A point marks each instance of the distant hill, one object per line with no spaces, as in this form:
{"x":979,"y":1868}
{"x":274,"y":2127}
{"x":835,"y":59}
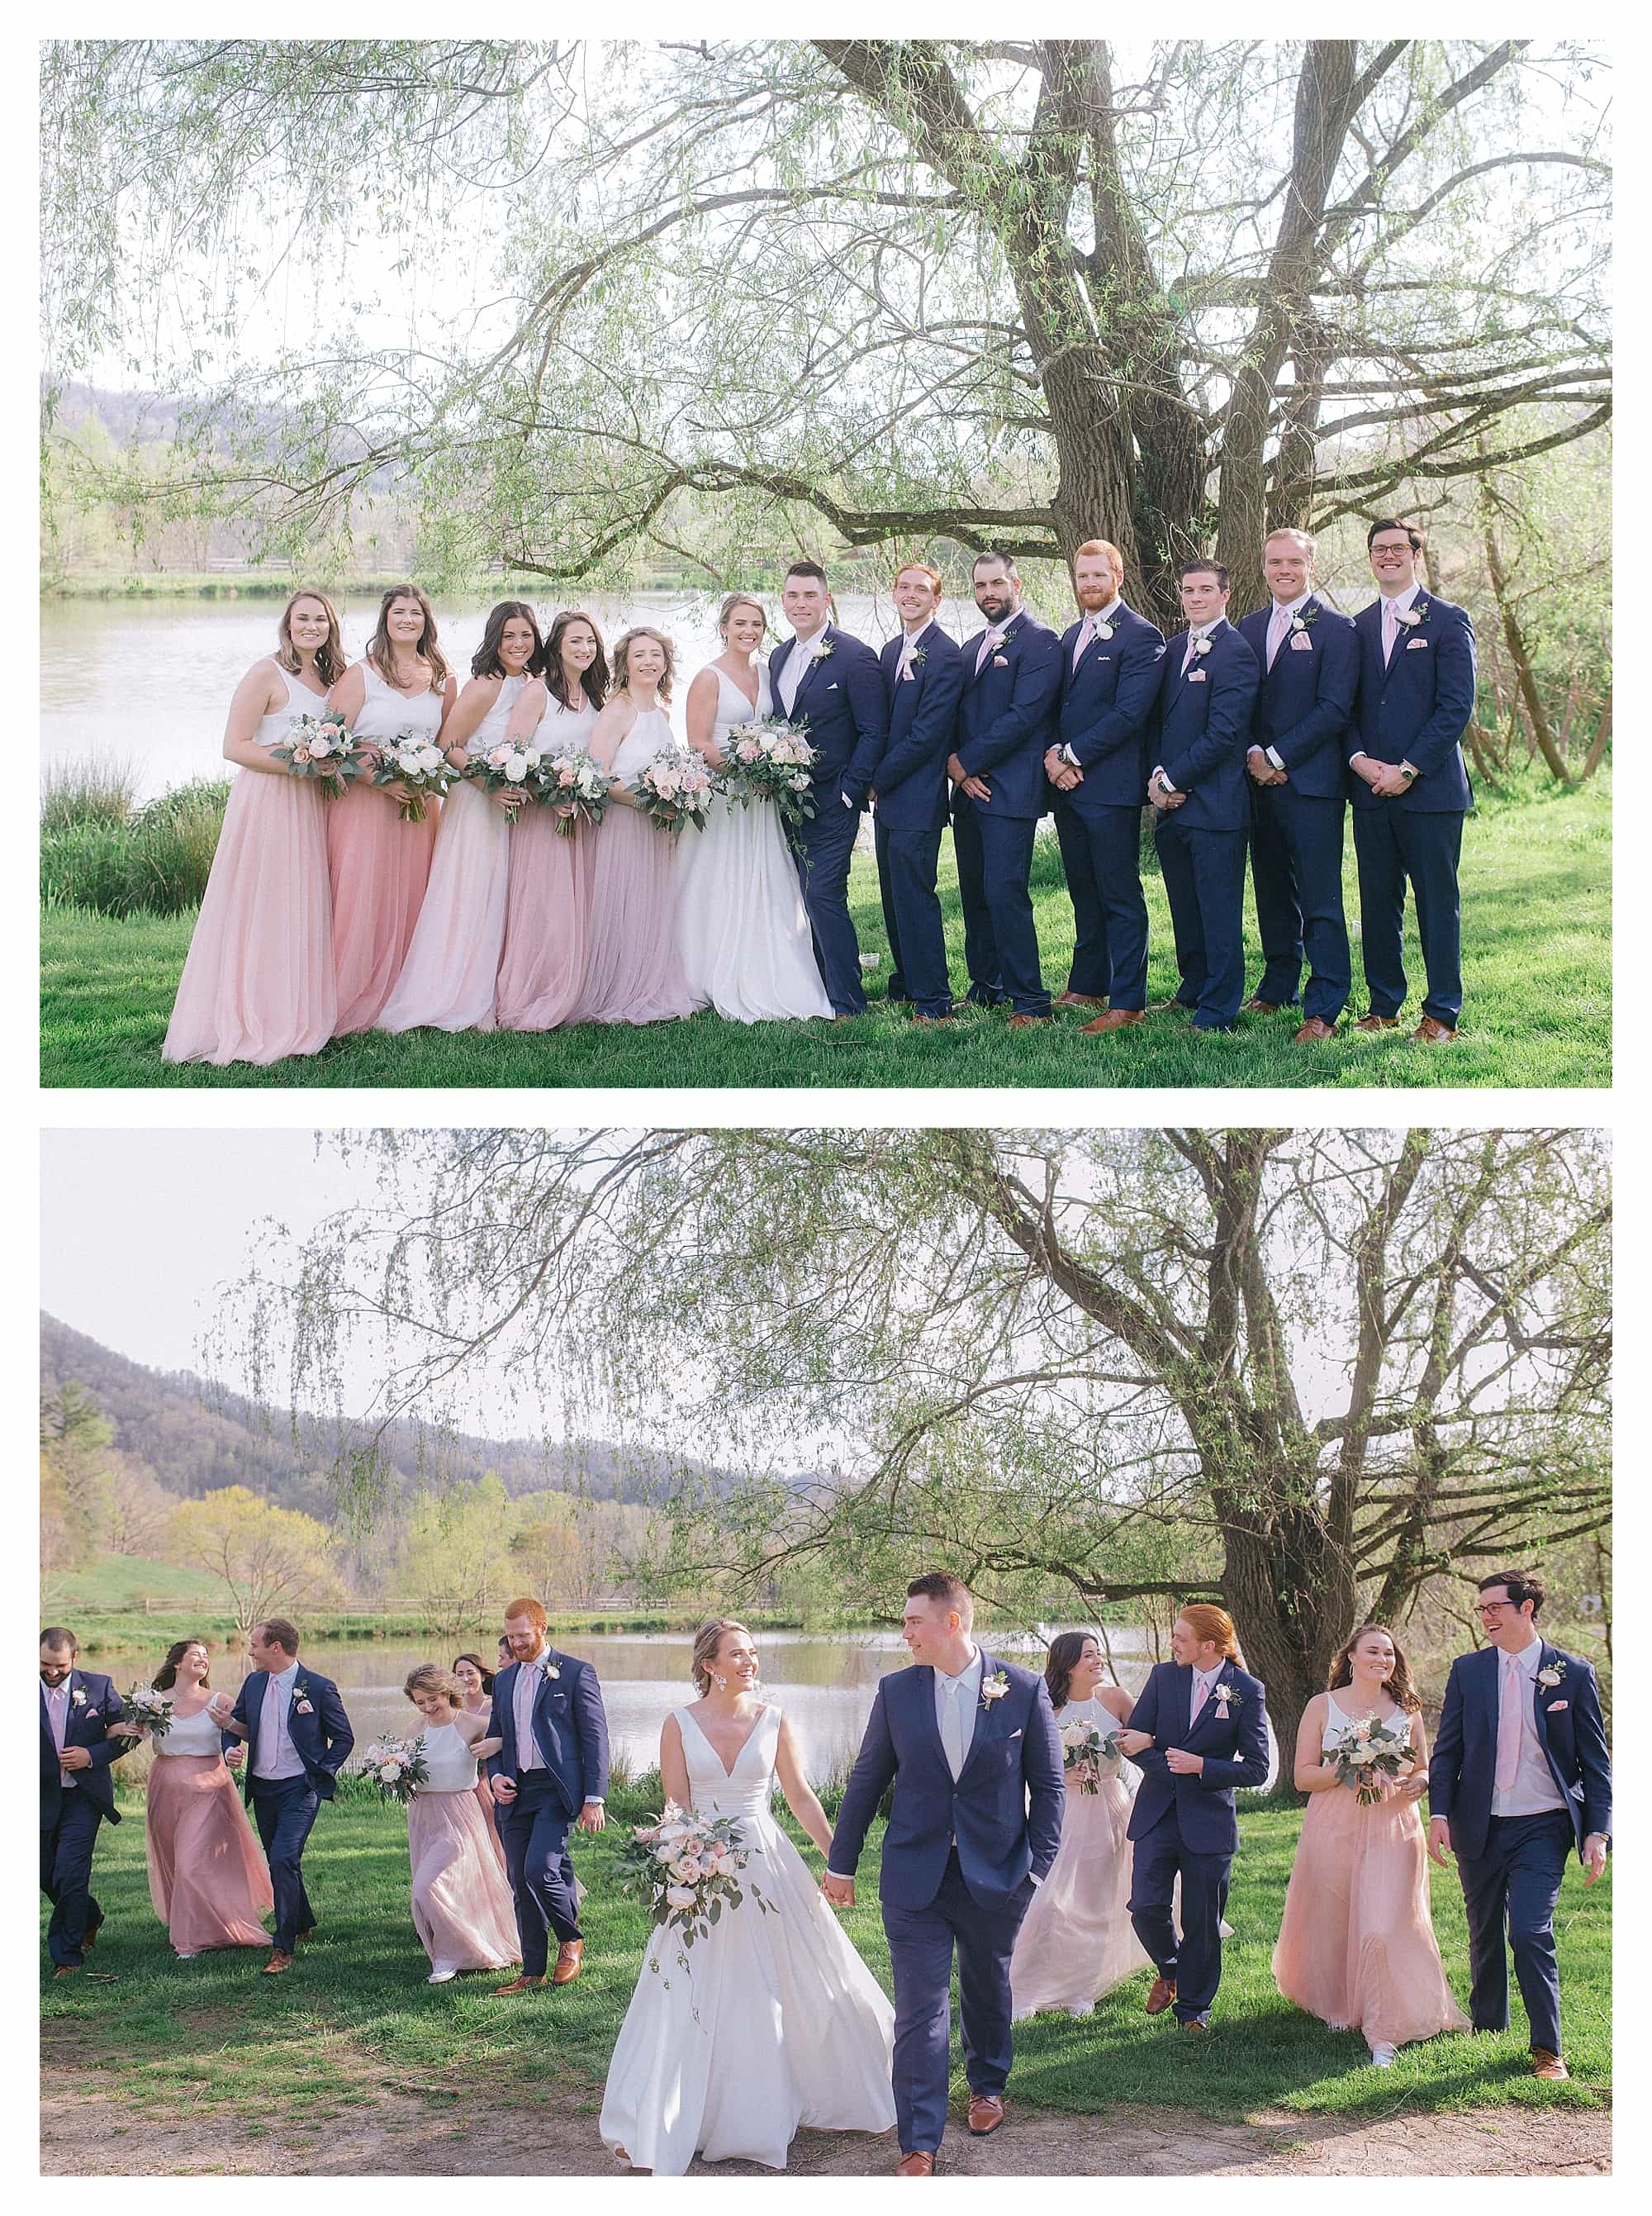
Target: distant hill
{"x":196,"y":1439}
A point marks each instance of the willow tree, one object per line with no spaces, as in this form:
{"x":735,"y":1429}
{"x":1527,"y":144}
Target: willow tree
{"x":1301,"y":1373}
{"x":744,"y":294}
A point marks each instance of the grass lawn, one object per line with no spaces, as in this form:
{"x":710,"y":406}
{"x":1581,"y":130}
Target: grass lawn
{"x":355,"y":2013}
{"x":1537,"y":970}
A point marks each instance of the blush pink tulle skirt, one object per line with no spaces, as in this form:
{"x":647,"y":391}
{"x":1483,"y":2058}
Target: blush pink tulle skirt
{"x":1356,"y":1947}
{"x":207,"y":1877}
{"x":635,"y":972}
{"x":1076,"y":1940}
{"x":380,"y":867}
{"x":462,"y":1906}
{"x":547,"y":923}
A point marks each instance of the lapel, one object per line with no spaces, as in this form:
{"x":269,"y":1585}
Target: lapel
{"x":1541,"y":1694}
{"x":823,"y":638}
{"x":1212,"y":1708}
{"x":1261,"y":642}
{"x":973,"y":647}
{"x":1489,"y":1688}
{"x":928,"y":1726}
{"x":985,"y":1715}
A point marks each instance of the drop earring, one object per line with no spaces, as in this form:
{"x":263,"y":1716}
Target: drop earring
{"x":722,"y":1684}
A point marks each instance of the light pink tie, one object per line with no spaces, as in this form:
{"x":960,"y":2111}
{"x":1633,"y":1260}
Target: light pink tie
{"x":1509,"y":1725}
{"x":1201,"y":1694}
{"x":57,"y":1707}
{"x":1276,"y":632}
{"x":1391,"y":631}
{"x":1085,"y":635}
{"x":989,"y":642}
{"x":273,"y":1727}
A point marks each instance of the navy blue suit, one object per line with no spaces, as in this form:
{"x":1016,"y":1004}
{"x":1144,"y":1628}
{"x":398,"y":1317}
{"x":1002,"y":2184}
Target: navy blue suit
{"x":70,"y":1815}
{"x":1511,"y":1865}
{"x":840,"y":699}
{"x":1304,"y":706}
{"x":1201,"y":732}
{"x":1006,"y":722}
{"x":1416,"y":709}
{"x":1186,"y":1826}
{"x":913,"y":790}
{"x":1107,"y":708}
{"x":570,"y":1732}
{"x":960,"y":1858}
{"x":285,"y":1808}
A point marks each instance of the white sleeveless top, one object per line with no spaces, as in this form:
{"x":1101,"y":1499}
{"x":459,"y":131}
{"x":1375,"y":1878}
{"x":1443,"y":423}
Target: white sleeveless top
{"x":490,"y":731}
{"x":452,"y":1765}
{"x":277,"y":725}
{"x":1092,"y":1712}
{"x":649,"y":736}
{"x":385,"y":711}
{"x":1338,"y":1719}
{"x":192,"y":1735}
{"x":569,"y":728}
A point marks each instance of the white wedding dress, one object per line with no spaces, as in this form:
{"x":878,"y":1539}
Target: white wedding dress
{"x":775,"y":2023}
{"x":741,"y":926}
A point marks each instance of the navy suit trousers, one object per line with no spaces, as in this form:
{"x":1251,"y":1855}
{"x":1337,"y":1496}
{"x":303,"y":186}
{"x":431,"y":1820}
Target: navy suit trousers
{"x":826,"y":844}
{"x":285,"y":1810}
{"x":1204,"y":880}
{"x":1512,"y":1889}
{"x":1391,"y":845}
{"x":1101,"y":854}
{"x":533,"y":1832}
{"x":995,"y":868}
{"x":921,"y":1943}
{"x":911,"y":915}
{"x":1195,"y":1964}
{"x":1296,"y":867}
{"x":67,"y":1878}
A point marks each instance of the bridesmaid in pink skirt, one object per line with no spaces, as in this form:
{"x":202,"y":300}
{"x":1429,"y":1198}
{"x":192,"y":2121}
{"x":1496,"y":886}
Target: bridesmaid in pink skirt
{"x":257,"y":982}
{"x":1357,"y":1945}
{"x":207,"y":1875}
{"x":462,"y":1906}
{"x":634,"y":972}
{"x":475,"y":1683}
{"x":548,"y":899}
{"x":379,"y":865}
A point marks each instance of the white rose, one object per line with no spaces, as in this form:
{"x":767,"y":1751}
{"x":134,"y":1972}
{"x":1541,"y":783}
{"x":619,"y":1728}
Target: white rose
{"x":321,"y":746}
{"x":390,"y":1771}
{"x":516,"y":765}
{"x":681,"y":1896}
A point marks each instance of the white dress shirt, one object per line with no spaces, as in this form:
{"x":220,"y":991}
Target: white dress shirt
{"x":1535,"y":1789}
{"x":909,"y":646}
{"x":1081,"y":647}
{"x":276,"y":1757}
{"x":803,"y":651}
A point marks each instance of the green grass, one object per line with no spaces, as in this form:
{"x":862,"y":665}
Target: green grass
{"x":355,"y":2013}
{"x":120,"y":1582}
{"x":1536,"y":968}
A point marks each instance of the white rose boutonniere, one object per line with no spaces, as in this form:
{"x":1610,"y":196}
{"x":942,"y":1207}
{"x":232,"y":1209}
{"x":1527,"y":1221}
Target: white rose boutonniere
{"x":1105,"y":630}
{"x":1226,"y":1695}
{"x":1417,"y":614}
{"x":78,"y":1697}
{"x":1553,"y":1674}
{"x":993,"y":1687}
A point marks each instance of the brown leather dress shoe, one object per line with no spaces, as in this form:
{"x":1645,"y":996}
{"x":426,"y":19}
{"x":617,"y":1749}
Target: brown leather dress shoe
{"x":1115,"y":1019}
{"x":929,"y":1023}
{"x":1545,"y":2065}
{"x":1313,"y":1030}
{"x":1368,"y":1026}
{"x":1432,"y":1032}
{"x":1161,"y":1994}
{"x":277,"y":1963}
{"x":1024,"y":1023}
{"x":520,"y":1985}
{"x":1196,"y":2023}
{"x":986,"y":2113}
{"x":1078,"y":1000}
{"x":67,"y":1969}
{"x":1253,"y":1007}
{"x":568,"y":1962}
{"x":915,"y":2166}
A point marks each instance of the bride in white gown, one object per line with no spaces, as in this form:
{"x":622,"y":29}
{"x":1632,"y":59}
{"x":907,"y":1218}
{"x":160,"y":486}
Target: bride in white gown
{"x":776,"y":2023}
{"x":744,"y":936}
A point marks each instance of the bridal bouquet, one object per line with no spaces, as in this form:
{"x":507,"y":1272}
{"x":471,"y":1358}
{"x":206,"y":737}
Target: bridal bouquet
{"x":673,"y":790}
{"x":418,"y":762}
{"x":767,"y":759}
{"x":1370,"y":1756}
{"x":684,"y":1870}
{"x":1084,"y":1747}
{"x":322,"y":747}
{"x":575,"y":787}
{"x":513,"y":766}
{"x":397,"y":1766}
{"x":143,"y":1705}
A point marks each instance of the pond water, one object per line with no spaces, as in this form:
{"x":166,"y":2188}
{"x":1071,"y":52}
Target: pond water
{"x":148,"y":681}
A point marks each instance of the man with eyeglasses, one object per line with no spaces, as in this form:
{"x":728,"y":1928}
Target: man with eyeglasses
{"x":1520,"y":1776}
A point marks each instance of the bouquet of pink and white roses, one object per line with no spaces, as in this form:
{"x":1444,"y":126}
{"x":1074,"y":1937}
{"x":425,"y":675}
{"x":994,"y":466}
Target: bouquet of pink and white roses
{"x":769,"y":759}
{"x":512,"y":765}
{"x":1084,"y":1748}
{"x":396,"y":1766}
{"x":322,"y":746}
{"x":686,"y":1869}
{"x":575,"y":787}
{"x":416,"y":762}
{"x":151,"y":1710}
{"x":675,"y":788}
{"x":1369,"y":1756}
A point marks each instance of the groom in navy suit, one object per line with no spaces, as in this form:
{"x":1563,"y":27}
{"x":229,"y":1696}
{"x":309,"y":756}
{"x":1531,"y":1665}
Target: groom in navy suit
{"x":969,"y":1744}
{"x":1518,"y":1777}
{"x":298,"y":1738}
{"x":551,"y":1770}
{"x":1199,"y":1730}
{"x":822,"y":678}
{"x":81,"y":1732}
{"x":923,"y":677}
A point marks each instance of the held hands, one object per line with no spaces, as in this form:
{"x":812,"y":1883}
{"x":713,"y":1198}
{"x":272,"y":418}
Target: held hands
{"x":593,"y":1817}
{"x":840,"y":1890}
{"x":1183,"y":1764}
{"x":1440,"y":1840}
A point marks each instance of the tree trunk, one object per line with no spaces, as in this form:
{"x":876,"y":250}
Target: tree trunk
{"x":1597,"y":743}
{"x":1514,"y":638}
{"x":1292,"y":1593}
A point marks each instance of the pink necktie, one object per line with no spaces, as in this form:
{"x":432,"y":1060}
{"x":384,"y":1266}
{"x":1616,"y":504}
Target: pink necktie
{"x":1200,"y":1689}
{"x":989,"y":641}
{"x":59,"y":1711}
{"x":1085,"y":635}
{"x":273,"y":1725}
{"x":1390,"y":629}
{"x":1276,"y":632}
{"x":1509,"y":1725}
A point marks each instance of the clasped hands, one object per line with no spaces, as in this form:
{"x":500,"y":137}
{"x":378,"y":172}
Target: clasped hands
{"x":1063,"y":775}
{"x":1262,"y":770}
{"x":840,"y":1890}
{"x":1160,"y":795}
{"x":1386,"y":779}
{"x":976,"y":787}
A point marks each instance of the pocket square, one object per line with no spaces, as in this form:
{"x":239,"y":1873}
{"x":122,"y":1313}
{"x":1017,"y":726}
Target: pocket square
{"x":831,"y":688}
{"x":1412,"y":644}
{"x":1301,"y":644}
{"x":1000,"y":662}
{"x":1196,"y":677}
{"x":1014,"y":1735}
{"x":1553,"y":1705}
{"x":303,"y":1708}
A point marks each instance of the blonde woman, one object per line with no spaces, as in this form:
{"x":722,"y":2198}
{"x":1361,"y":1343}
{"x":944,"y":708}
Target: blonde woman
{"x":462,"y":1907}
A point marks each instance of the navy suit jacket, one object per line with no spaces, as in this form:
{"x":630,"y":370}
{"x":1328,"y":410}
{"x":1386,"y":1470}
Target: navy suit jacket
{"x":87,"y":1724}
{"x":840,"y":699}
{"x":1202,"y":730}
{"x":570,"y":1729}
{"x":1304,"y":703}
{"x":1417,"y":709}
{"x":1462,"y":1768}
{"x":1107,"y":708}
{"x":1006,"y":720}
{"x":1004,"y":1810}
{"x":1235,"y":1748}
{"x":911,"y":784}
{"x":321,"y":1739}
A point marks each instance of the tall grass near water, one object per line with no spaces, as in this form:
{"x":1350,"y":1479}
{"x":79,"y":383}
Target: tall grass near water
{"x":101,"y":853}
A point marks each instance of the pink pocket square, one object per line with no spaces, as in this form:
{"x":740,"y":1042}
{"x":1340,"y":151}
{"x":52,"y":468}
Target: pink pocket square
{"x":1197,"y":677}
{"x":1412,"y":644}
{"x":1553,"y":1705}
{"x":1301,"y":645}
{"x":1000,"y":662}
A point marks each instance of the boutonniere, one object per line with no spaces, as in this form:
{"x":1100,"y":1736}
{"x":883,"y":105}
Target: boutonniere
{"x":301,"y":1700}
{"x":1103,"y":631}
{"x":920,"y":658}
{"x":1302,"y":621}
{"x":1227,"y":1695}
{"x":993,"y":1687}
{"x":78,"y":1697}
{"x":1417,"y":614}
{"x":1553,"y":1674}
{"x":823,"y":651}
{"x":1202,"y":646}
